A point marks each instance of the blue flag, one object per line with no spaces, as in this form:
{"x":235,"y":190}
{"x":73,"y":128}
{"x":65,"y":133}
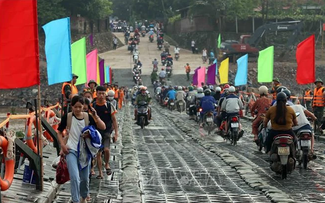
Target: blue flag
{"x":242,"y":68}
{"x":107,"y":76}
{"x":58,"y":51}
{"x":215,"y":62}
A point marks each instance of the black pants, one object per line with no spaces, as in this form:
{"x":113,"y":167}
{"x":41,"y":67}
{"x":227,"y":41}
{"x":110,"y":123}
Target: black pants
{"x":188,"y":76}
{"x":192,"y":110}
{"x":220,"y":118}
{"x":193,"y":50}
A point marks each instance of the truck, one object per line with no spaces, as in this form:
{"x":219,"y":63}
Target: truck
{"x":247,"y":44}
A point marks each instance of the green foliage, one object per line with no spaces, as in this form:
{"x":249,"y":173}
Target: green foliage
{"x":171,"y":20}
{"x":49,"y":10}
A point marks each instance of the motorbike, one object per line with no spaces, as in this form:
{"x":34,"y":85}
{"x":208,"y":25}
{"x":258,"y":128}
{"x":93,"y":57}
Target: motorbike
{"x":208,"y":123}
{"x":233,"y":127}
{"x":163,"y":61}
{"x":159,"y":46}
{"x":155,"y":68}
{"x":198,"y":114}
{"x":177,"y":56}
{"x":282,"y":155}
{"x":151,"y":38}
{"x":165,"y":102}
{"x":135,"y":58}
{"x":140,"y":69}
{"x":180,"y":106}
{"x":143,"y":33}
{"x":136,"y":78}
{"x":134,"y":96}
{"x":303,"y":153}
{"x":171,"y":104}
{"x":131,"y":47}
{"x":168,"y":71}
{"x":142,"y":117}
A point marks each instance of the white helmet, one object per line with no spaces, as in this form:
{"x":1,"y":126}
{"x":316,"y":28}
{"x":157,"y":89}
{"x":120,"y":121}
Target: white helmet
{"x":218,"y":89}
{"x":263,"y":90}
{"x":232,"y":89}
{"x":200,"y":90}
{"x":110,"y":93}
{"x":180,"y":88}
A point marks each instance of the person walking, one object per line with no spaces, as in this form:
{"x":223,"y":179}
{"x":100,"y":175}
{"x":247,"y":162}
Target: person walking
{"x":188,"y":70}
{"x":319,"y":102}
{"x":74,"y":123}
{"x":106,"y":112}
{"x":114,"y":42}
{"x":193,"y":46}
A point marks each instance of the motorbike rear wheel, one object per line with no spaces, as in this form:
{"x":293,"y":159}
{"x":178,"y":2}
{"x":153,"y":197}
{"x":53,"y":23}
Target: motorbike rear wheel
{"x":284,"y":172}
{"x":142,"y":121}
{"x":305,"y":160}
{"x":234,"y":137}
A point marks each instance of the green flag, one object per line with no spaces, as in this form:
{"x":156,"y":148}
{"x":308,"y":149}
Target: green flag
{"x":78,"y":57}
{"x":265,"y":65}
{"x":219,"y":41}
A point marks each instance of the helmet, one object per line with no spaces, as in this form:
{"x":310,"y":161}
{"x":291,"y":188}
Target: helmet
{"x":207,"y":92}
{"x":284,"y":90}
{"x":180,"y":88}
{"x":110,"y":93}
{"x":263,"y":90}
{"x":232,"y":89}
{"x":190,"y":88}
{"x":143,"y":88}
{"x":281,"y":96}
{"x":211,"y":87}
{"x":200,"y":90}
{"x":218,"y":89}
{"x":280,"y":89}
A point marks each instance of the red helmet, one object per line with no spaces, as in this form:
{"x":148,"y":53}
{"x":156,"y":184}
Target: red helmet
{"x":226,"y":86}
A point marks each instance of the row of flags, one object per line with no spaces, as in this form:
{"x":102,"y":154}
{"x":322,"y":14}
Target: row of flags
{"x":305,"y":56}
{"x":19,"y":50}
{"x":64,"y":58}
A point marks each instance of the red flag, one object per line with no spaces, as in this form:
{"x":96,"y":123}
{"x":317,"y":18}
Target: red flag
{"x":305,"y":56}
{"x":19,"y":54}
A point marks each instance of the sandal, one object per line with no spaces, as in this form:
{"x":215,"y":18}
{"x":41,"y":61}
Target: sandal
{"x":108,"y":171}
{"x":99,"y":177}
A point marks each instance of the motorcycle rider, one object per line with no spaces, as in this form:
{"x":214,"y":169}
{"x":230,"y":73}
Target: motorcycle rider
{"x":155,"y":64}
{"x":143,"y":96}
{"x":163,"y":55}
{"x":262,"y":104}
{"x":196,"y":100}
{"x":303,"y":123}
{"x":287,"y":92}
{"x":221,"y":113}
{"x":217,"y":94}
{"x":207,"y":103}
{"x":282,"y":118}
{"x":162,"y":75}
{"x":169,"y":59}
{"x":180,"y":96}
{"x":171,"y":94}
{"x":153,"y":76}
{"x":166,"y":47}
{"x":176,"y":50}
{"x":232,"y":105}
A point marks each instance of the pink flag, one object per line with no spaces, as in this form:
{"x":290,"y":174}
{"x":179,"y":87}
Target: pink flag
{"x":201,"y":76}
{"x":92,"y":65}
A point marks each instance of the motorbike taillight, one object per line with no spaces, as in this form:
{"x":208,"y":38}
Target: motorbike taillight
{"x":283,"y":140}
{"x":234,"y":119}
{"x":305,"y":136}
{"x":200,"y":109}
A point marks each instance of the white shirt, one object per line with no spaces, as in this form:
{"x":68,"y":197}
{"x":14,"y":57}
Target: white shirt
{"x":193,"y":43}
{"x":162,"y":74}
{"x":176,"y":50}
{"x":75,"y":132}
{"x":204,"y":53}
{"x":302,"y":119}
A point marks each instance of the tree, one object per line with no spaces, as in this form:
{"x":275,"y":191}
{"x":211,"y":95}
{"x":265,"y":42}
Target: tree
{"x":49,"y":10}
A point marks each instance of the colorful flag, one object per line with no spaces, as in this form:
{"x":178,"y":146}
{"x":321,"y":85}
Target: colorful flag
{"x":107,"y":77}
{"x":223,"y":71}
{"x":58,"y":51}
{"x":195,"y":79}
{"x":219,"y":41}
{"x":110,"y":75}
{"x":91,"y":59}
{"x":19,"y":54}
{"x":101,"y":72}
{"x":78,"y":57}
{"x":305,"y":56}
{"x":242,"y":71}
{"x":216,"y":62}
{"x":98,"y":76}
{"x":265,"y":65}
{"x":91,"y":39}
{"x":201,"y":76}
{"x":211,"y":74}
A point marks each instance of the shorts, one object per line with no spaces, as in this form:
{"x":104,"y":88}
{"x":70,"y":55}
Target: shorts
{"x":106,"y":140}
{"x":305,"y":127}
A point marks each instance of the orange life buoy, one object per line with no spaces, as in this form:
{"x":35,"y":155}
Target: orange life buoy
{"x":5,"y":183}
{"x":29,"y":137}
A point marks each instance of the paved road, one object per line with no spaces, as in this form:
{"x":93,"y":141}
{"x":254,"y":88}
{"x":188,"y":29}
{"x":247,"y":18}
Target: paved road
{"x":172,"y":160}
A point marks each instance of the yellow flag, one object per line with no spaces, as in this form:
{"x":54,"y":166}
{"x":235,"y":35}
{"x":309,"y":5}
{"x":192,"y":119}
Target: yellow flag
{"x":223,"y":71}
{"x":98,"y":77}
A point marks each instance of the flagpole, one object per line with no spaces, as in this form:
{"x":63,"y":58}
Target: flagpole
{"x":40,"y":141}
